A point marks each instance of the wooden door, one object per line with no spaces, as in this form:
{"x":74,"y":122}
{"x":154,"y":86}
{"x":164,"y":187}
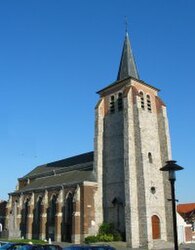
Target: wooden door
{"x":155,"y":227}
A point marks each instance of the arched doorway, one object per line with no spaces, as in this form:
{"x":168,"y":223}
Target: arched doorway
{"x":155,"y":227}
{"x":67,"y":219}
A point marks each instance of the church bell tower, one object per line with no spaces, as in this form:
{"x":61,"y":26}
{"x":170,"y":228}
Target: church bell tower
{"x":132,"y":143}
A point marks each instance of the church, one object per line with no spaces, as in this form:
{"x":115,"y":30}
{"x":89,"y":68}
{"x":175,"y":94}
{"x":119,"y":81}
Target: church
{"x":119,"y":182}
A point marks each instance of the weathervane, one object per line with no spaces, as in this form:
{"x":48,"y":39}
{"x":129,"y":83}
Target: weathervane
{"x":126,"y":25}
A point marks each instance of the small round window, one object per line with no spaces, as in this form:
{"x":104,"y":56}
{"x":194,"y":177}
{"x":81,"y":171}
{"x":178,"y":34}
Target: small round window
{"x":153,"y":190}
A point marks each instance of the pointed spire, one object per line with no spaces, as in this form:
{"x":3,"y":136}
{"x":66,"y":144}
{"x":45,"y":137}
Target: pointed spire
{"x":127,"y":64}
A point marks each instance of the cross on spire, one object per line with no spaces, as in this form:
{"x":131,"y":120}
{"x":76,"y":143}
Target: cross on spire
{"x":126,"y":25}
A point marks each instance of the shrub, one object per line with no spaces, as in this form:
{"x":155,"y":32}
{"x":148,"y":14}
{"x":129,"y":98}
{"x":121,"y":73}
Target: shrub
{"x":91,"y":239}
{"x":117,"y":236}
{"x":106,"y":233}
{"x":106,"y":228}
{"x":106,"y":237}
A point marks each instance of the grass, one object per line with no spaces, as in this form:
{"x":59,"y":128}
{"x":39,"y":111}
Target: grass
{"x":24,"y":241}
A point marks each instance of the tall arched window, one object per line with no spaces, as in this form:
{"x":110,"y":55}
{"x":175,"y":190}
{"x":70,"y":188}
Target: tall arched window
{"x":112,"y":104}
{"x":51,"y":218}
{"x":120,"y":101}
{"x":148,"y":103}
{"x":142,"y":99}
{"x":150,"y":157}
{"x":37,"y":218}
{"x":53,"y":210}
{"x":24,"y":224}
{"x":67,"y":218}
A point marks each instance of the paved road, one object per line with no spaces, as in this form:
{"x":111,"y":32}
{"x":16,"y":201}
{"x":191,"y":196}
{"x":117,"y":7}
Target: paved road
{"x":122,"y":246}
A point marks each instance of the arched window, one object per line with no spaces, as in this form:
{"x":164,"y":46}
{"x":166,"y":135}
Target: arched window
{"x":37,"y":218}
{"x":51,"y":218}
{"x":150,"y":157}
{"x":142,"y":99}
{"x":24,"y":224}
{"x":120,"y":101}
{"x":112,"y":104}
{"x":148,"y":103}
{"x":155,"y":227}
{"x":67,"y":218}
{"x":53,"y":210}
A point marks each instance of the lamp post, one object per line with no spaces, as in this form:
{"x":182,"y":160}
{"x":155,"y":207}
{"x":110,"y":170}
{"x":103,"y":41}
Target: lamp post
{"x":171,"y":167}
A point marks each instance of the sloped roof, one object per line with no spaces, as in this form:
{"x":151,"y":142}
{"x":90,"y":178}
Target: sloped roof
{"x":127,"y":64}
{"x":64,"y":179}
{"x":76,"y":162}
{"x":185,"y":208}
{"x":114,"y":84}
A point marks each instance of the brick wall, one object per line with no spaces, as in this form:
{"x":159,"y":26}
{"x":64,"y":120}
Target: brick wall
{"x":188,"y":234}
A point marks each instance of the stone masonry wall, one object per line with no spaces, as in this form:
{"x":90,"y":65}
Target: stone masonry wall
{"x":165,"y":147}
{"x":131,"y":185}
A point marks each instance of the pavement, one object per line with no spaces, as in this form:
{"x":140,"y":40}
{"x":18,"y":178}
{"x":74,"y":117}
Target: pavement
{"x":123,"y":246}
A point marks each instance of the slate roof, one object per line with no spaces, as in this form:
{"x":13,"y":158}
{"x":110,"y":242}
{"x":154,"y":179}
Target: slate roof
{"x":64,"y":179}
{"x":72,"y":163}
{"x":69,"y":171}
{"x":127,"y":64}
{"x":127,"y":68}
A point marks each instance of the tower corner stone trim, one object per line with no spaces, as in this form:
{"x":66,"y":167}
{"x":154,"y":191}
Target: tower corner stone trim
{"x":131,"y":185}
{"x":98,"y":162}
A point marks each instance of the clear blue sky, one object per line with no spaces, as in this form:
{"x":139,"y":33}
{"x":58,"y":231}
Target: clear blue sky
{"x":55,"y":55}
